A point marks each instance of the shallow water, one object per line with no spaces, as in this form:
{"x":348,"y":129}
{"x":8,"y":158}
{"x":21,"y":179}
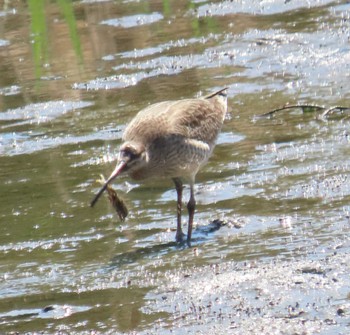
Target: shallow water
{"x":73,"y":75}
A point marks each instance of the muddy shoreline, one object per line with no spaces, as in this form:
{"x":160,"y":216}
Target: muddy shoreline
{"x":295,"y":296}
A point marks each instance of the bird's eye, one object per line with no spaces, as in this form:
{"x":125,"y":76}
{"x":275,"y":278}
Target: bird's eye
{"x":130,"y":154}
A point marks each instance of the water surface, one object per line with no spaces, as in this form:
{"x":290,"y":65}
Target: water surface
{"x":73,"y":74}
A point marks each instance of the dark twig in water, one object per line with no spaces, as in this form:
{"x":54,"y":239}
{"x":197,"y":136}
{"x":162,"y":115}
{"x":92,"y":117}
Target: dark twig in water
{"x":333,"y":109}
{"x":307,"y":108}
{"x":286,"y":107}
{"x":115,"y":201}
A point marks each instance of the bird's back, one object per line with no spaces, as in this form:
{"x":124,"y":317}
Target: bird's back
{"x":178,"y":136}
{"x":199,"y":119}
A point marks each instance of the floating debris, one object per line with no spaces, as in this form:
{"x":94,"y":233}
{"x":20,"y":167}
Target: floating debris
{"x":233,"y":222}
{"x":308,"y":108}
{"x":286,"y":221}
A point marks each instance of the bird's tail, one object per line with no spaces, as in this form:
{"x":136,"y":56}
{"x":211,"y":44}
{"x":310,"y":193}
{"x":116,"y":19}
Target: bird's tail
{"x":219,"y":100}
{"x":222,"y":92}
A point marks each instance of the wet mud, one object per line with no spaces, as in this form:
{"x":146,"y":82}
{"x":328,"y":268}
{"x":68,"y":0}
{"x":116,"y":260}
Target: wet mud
{"x":270,"y":251}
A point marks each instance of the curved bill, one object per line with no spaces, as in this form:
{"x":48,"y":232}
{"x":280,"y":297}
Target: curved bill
{"x":119,"y":168}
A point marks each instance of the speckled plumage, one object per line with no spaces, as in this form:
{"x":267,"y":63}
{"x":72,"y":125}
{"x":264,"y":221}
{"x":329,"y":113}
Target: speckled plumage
{"x":179,"y":136}
{"x":172,"y":139}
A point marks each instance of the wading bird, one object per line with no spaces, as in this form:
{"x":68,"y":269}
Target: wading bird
{"x":171,"y":139}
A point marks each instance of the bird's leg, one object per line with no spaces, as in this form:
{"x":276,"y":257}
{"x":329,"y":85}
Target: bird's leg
{"x":179,"y":188}
{"x":191,"y":205}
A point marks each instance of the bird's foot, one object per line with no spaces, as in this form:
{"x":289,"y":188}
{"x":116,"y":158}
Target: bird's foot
{"x":180,"y":237}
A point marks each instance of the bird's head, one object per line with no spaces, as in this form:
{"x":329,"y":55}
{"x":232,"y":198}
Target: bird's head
{"x":132,"y":157}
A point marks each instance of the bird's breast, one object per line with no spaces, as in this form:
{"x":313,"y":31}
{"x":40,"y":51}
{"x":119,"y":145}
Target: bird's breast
{"x":175,"y":157}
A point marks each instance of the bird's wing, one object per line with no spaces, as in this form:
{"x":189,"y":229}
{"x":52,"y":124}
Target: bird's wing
{"x":199,"y":119}
{"x":149,"y":123}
